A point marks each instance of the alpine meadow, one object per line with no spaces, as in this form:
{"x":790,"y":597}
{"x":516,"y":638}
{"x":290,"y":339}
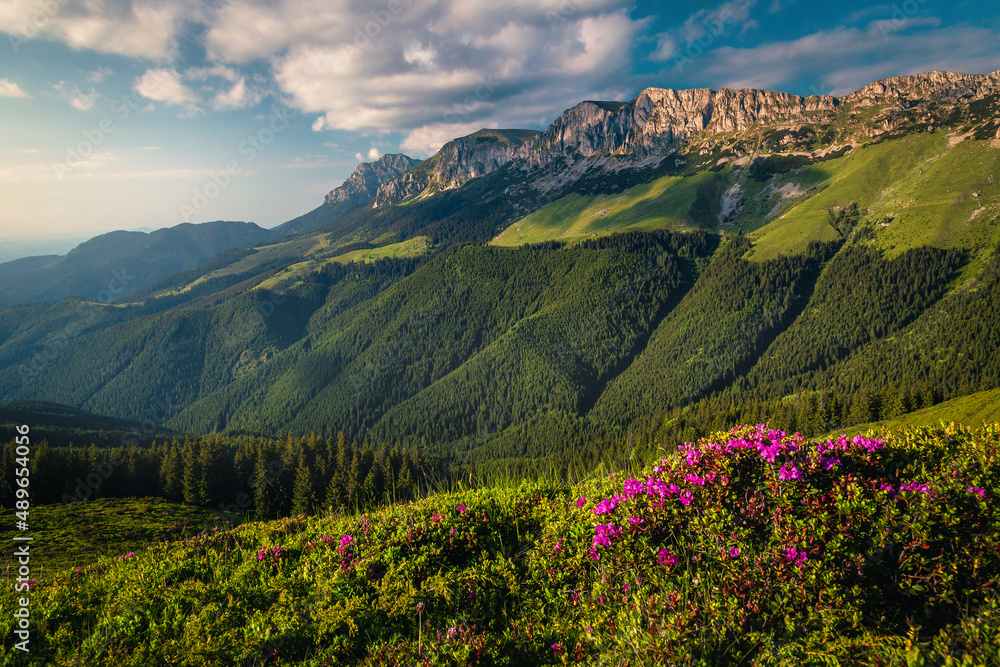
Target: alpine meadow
{"x":706,"y":377}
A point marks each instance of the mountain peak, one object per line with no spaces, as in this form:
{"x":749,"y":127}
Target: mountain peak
{"x":458,"y":161}
{"x":361,"y":186}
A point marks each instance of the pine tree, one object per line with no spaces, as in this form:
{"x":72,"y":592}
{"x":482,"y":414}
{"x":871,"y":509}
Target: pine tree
{"x":351,"y":484}
{"x":192,"y":474}
{"x":302,"y":494}
{"x":263,"y":483}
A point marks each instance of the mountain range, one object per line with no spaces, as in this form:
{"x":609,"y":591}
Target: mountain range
{"x":635,"y":267}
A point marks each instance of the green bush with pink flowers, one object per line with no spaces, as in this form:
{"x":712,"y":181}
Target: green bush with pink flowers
{"x":749,"y":547}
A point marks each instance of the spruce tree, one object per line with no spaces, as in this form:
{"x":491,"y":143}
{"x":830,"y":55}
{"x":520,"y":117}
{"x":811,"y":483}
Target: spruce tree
{"x":302,"y":493}
{"x":191,"y":471}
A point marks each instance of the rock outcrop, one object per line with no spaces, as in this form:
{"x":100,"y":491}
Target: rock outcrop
{"x":361,"y":186}
{"x":616,"y":135}
{"x":472,"y":156}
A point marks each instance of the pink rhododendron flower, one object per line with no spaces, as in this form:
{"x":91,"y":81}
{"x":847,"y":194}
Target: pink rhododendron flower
{"x":789,"y":471}
{"x":664,"y":557}
{"x":915,"y":486}
{"x":797,"y":557}
{"x":604,"y":533}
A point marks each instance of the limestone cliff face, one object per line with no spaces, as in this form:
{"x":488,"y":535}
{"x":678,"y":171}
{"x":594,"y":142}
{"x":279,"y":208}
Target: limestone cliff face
{"x":361,"y":186}
{"x":459,"y":160}
{"x":946,"y":86}
{"x":660,"y":118}
{"x":638,"y":133}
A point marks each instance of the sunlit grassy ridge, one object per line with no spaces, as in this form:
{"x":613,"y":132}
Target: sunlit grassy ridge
{"x":981,"y":407}
{"x":928,"y":185}
{"x":932,"y":188}
{"x":661,"y":204}
{"x":751,"y":546}
{"x":414,"y":247}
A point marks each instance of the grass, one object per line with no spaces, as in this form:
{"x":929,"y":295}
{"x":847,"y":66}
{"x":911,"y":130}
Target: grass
{"x":751,"y":547}
{"x":79,"y":534}
{"x":936,"y":191}
{"x":660,"y":204}
{"x":979,"y":408}
{"x":922,"y":182}
{"x":415,"y":247}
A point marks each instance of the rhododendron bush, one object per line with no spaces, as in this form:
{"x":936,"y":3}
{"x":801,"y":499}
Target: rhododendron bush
{"x":752,"y":546}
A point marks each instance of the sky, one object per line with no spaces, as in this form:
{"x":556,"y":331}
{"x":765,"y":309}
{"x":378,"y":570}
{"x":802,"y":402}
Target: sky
{"x":141,"y":114}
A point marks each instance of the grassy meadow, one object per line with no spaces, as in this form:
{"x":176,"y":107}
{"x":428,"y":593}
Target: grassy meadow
{"x":748,"y":547}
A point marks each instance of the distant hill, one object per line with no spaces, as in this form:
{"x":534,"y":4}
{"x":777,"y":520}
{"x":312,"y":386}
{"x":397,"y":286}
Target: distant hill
{"x":115,"y":264}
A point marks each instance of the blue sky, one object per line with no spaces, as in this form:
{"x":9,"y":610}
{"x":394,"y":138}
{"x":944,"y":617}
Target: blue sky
{"x":119,"y":114}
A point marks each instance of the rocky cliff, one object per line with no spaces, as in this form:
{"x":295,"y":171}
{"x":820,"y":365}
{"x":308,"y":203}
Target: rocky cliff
{"x":459,"y":160}
{"x":361,"y":186}
{"x":659,"y":121}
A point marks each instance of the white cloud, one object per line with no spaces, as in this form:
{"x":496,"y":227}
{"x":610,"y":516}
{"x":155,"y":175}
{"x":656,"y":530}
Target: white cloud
{"x":718,"y":21}
{"x":434,"y":70}
{"x":701,"y":29}
{"x":310,"y":162}
{"x":373,"y":154}
{"x":99,"y":74}
{"x":862,"y":56}
{"x":77,"y":99}
{"x":234,"y":98}
{"x":666,"y":48}
{"x":140,"y":28}
{"x":9,"y":88}
{"x":164,"y":85}
{"x":425,"y":141}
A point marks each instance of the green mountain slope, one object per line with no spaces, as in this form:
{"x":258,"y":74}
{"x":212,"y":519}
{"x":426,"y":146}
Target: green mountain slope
{"x":593,"y":284}
{"x":478,"y":304}
{"x":113,"y":265}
